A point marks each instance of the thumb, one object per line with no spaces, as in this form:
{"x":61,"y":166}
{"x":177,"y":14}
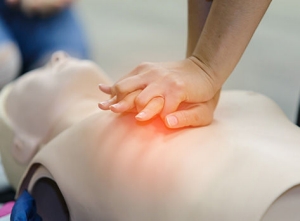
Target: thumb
{"x":199,"y":115}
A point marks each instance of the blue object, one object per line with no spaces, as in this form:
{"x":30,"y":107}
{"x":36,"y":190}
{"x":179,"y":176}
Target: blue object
{"x":25,"y":209}
{"x":38,"y":37}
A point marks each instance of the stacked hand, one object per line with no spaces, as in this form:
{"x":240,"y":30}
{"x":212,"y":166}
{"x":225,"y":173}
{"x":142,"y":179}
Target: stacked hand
{"x":183,"y":93}
{"x":41,"y":7}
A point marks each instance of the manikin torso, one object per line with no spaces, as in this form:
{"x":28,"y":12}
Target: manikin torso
{"x":244,"y":166}
{"x":112,"y":168}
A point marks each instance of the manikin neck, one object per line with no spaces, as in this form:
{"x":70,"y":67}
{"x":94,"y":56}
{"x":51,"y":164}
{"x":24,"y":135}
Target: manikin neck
{"x":79,"y":109}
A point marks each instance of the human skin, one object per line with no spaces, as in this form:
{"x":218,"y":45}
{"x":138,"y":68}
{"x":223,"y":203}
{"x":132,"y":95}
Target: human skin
{"x":218,"y":35}
{"x":144,"y":171}
{"x":40,"y":7}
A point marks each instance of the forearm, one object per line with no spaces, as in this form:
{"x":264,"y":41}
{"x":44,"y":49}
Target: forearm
{"x":226,"y":34}
{"x":197,"y":13}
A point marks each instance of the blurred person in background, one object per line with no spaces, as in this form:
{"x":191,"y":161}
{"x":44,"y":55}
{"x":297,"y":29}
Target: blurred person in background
{"x":30,"y":31}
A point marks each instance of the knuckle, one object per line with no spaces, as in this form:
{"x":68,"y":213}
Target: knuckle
{"x":176,"y":86}
{"x":177,"y":96}
{"x":143,"y":66}
{"x":156,"y":104}
{"x":177,"y":91}
{"x":128,"y":98}
{"x":179,"y":85}
{"x":141,"y":78}
{"x":194,"y":119}
{"x":202,"y":119}
{"x":175,"y":83}
{"x":140,"y":102}
{"x":183,"y":119}
{"x":118,"y":88}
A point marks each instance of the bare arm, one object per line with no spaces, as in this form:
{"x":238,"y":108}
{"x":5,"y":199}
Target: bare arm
{"x":197,"y":14}
{"x":226,"y":34}
{"x":218,"y":35}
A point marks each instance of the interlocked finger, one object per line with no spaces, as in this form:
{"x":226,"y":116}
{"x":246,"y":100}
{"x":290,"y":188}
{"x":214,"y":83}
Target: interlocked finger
{"x":105,"y":105}
{"x":105,"y":89}
{"x":126,"y":104}
{"x":153,"y":108}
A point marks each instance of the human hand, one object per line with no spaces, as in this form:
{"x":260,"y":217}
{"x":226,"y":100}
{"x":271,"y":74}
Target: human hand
{"x":41,"y":7}
{"x":183,"y":93}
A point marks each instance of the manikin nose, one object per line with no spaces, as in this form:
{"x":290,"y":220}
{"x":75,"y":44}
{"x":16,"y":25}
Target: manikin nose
{"x":58,"y":56}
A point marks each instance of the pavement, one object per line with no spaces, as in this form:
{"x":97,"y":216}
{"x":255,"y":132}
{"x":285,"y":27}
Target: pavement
{"x":126,"y":33}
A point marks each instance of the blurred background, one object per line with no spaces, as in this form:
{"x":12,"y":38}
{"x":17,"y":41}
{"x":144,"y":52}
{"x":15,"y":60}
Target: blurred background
{"x":124,"y":33}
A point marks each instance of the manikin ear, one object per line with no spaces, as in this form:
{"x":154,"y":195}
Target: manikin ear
{"x":23,"y":151}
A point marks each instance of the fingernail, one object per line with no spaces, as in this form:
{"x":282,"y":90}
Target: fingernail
{"x":172,"y":121}
{"x":100,"y":86}
{"x":103,"y":103}
{"x":140,"y":115}
{"x":103,"y":87}
{"x":114,"y":106}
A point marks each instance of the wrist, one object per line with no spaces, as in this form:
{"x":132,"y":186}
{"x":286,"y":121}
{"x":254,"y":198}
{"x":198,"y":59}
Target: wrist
{"x":208,"y":71}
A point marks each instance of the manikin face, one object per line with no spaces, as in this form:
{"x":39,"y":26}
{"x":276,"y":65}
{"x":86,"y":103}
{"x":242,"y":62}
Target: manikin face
{"x":39,"y":97}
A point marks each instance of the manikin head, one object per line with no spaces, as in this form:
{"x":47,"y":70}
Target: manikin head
{"x":39,"y":99}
